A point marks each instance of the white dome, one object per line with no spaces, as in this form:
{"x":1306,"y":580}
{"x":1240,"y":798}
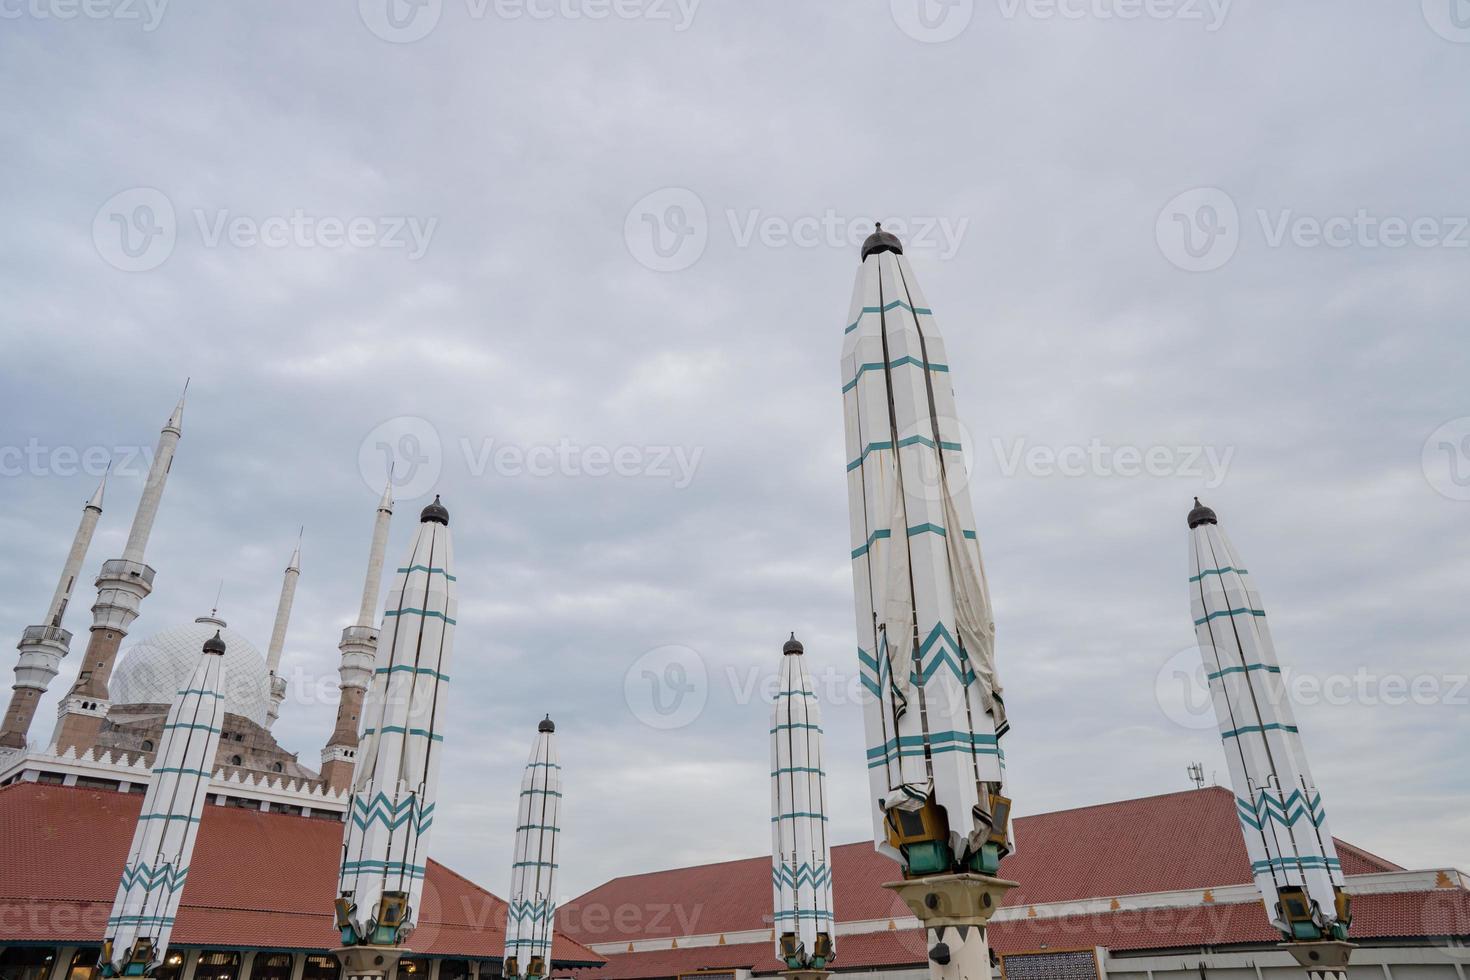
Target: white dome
{"x":155,"y":669}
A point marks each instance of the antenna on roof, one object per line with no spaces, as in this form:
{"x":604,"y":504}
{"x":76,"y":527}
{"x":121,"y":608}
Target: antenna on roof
{"x":219,"y":592}
{"x":1197,"y":774}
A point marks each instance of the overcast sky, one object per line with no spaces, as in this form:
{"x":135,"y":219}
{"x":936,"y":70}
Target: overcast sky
{"x":587,"y":276}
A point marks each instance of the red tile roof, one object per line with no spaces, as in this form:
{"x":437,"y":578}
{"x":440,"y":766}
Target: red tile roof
{"x":262,"y":880}
{"x":1440,"y":913}
{"x":1174,"y":842}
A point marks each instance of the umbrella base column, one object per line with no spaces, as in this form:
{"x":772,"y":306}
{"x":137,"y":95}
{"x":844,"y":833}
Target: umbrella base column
{"x":369,"y":962}
{"x":806,"y":974}
{"x":1326,"y":960}
{"x":955,"y":910}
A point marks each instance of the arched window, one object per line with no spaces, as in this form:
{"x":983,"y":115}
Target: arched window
{"x":217,"y":964}
{"x":235,"y":760}
{"x":147,"y":745}
{"x":277,"y":767}
{"x":271,"y":966}
{"x":29,"y":962}
{"x":321,"y":968}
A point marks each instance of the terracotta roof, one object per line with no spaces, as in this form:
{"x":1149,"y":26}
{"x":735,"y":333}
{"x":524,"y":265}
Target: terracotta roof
{"x":262,"y":880}
{"x":1178,"y":841}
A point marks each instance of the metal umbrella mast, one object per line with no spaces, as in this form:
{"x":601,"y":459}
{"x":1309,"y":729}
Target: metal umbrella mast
{"x":935,"y":716}
{"x":391,"y":810}
{"x":801,"y":857}
{"x":157,"y":867}
{"x":1293,"y":858}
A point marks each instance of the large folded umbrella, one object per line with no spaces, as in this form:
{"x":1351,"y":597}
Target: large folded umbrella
{"x":926,"y":636}
{"x":1281,"y":813}
{"x":530,"y":919}
{"x":153,"y":878}
{"x":385,"y":843}
{"x":801,"y":858}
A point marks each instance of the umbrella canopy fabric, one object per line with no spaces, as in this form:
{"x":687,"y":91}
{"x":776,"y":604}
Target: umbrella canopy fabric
{"x":926,"y":636}
{"x":385,"y":843}
{"x":1280,"y":808}
{"x":530,"y":919}
{"x":801,"y":858}
{"x":163,"y":843}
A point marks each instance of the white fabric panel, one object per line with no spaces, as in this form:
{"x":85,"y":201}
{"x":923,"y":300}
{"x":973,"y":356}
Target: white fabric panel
{"x":154,"y":876}
{"x":530,"y":919}
{"x":801,"y":858}
{"x":1279,"y":806}
{"x":931,"y":708}
{"x":392,"y":808}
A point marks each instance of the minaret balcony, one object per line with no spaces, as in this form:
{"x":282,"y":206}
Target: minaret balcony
{"x":359,"y":636}
{"x":123,"y":570}
{"x":53,"y":636}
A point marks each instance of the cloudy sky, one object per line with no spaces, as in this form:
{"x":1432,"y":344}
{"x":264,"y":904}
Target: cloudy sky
{"x":583,"y":268}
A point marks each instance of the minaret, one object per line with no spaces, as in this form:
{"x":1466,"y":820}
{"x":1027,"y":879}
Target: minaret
{"x":925,"y":631}
{"x":530,"y":918}
{"x":153,"y":878}
{"x":386,"y":839}
{"x":1293,"y":858}
{"x":278,"y":635}
{"x":42,"y":647}
{"x":359,"y":648}
{"x":122,"y":585}
{"x":801,"y":858}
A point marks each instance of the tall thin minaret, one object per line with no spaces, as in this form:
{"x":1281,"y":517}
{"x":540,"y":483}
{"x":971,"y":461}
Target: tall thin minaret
{"x":122,"y":585}
{"x":42,"y":647}
{"x":278,"y":635}
{"x":359,"y":648}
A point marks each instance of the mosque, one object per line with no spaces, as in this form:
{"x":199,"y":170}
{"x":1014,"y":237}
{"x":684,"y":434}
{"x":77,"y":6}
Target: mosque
{"x":1172,"y":900}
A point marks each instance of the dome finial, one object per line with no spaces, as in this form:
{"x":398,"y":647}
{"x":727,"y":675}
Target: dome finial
{"x":215,"y":644}
{"x":546,"y":725}
{"x":881,"y":241}
{"x":435,"y":512}
{"x":1201,"y":515}
{"x":793,"y":646}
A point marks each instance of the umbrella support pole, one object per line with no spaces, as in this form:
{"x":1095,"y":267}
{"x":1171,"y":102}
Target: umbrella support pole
{"x":1326,"y":960}
{"x":369,"y":962}
{"x":955,"y":910}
